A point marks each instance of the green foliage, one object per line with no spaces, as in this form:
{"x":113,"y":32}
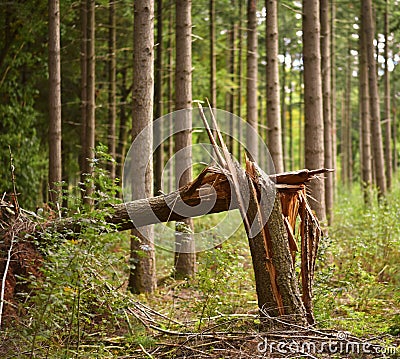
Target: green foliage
{"x":359,"y":273}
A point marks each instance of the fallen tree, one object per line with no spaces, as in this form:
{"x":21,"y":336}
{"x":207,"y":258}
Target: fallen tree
{"x":269,"y":220}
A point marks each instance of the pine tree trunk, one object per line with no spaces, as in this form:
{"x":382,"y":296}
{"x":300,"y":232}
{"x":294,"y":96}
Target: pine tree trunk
{"x":240,"y":82}
{"x":314,"y":126}
{"x":386,"y":79}
{"x":158,"y":102}
{"x":273,"y":89}
{"x":55,"y":171}
{"x":89,"y":141}
{"x":112,"y":87}
{"x":252,"y":73}
{"x":326,"y":95}
{"x":213,"y":57}
{"x":365,"y":119}
{"x":170,"y":86}
{"x":185,"y":256}
{"x":333,"y":92}
{"x":143,"y":276}
{"x":83,"y":84}
{"x":374,"y":98}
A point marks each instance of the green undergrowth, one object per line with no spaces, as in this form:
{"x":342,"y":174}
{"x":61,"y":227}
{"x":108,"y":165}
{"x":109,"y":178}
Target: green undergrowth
{"x":81,"y":307}
{"x":358,"y":272}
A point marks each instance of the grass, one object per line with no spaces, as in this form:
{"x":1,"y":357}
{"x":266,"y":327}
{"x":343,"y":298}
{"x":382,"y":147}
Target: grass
{"x":356,"y":286}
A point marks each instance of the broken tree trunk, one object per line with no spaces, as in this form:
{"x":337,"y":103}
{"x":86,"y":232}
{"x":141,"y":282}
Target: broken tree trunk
{"x":272,"y":238}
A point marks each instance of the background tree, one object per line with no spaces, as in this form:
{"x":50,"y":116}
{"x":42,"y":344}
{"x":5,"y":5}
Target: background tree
{"x":158,"y":100}
{"x":365,"y":119}
{"x":54,"y":102}
{"x":143,"y":276}
{"x":387,"y":96}
{"x":89,"y":100}
{"x":185,"y":257}
{"x":314,"y":126}
{"x":273,"y":89}
{"x":112,"y":87}
{"x":252,"y":74}
{"x":327,"y":106}
{"x":379,"y":165}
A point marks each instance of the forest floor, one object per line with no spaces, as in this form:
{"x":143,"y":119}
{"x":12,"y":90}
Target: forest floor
{"x":83,"y":310}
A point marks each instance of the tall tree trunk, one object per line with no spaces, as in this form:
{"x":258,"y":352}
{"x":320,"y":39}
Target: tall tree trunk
{"x":240,"y":80}
{"x":284,"y":111}
{"x":348,"y":117}
{"x":231,"y":94}
{"x":55,"y":171}
{"x":170,"y":86}
{"x":291,"y":145}
{"x":123,"y":122}
{"x":394,"y":128}
{"x":365,"y":119}
{"x":143,"y":276}
{"x":273,"y":96}
{"x":301,"y":124}
{"x":314,"y":125}
{"x":112,"y":87}
{"x":89,"y":141}
{"x":185,"y":256}
{"x":84,"y":78}
{"x":213,"y":57}
{"x":374,"y":98}
{"x":158,"y":102}
{"x":333,"y":92}
{"x":252,"y":72}
{"x":326,"y":96}
{"x":386,"y":79}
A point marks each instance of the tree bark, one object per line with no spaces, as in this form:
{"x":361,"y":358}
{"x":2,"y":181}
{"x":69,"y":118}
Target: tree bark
{"x":55,"y":171}
{"x":365,"y":120}
{"x":185,"y":256}
{"x":213,"y":57}
{"x":88,"y":145}
{"x":143,"y":275}
{"x":273,"y":90}
{"x":252,"y":73}
{"x":326,"y":97}
{"x":333,"y":91}
{"x":112,"y":88}
{"x":314,"y":126}
{"x":387,"y":108}
{"x":240,"y":82}
{"x":374,"y":98}
{"x":158,"y":101}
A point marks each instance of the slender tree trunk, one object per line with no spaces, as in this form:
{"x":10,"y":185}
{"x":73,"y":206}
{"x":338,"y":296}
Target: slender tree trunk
{"x":394,"y":127}
{"x":291,"y":147}
{"x":143,"y":276}
{"x":231,"y":95}
{"x":314,"y":126}
{"x":112,"y":87}
{"x":123,"y":122}
{"x":55,"y":171}
{"x":344,"y":155}
{"x":273,"y":94}
{"x":386,"y":79}
{"x":89,"y":141}
{"x":365,"y":119}
{"x":185,"y":256}
{"x":240,"y":81}
{"x":348,"y":122}
{"x":333,"y":93}
{"x":284,"y":111}
{"x":374,"y":98}
{"x":84,"y":77}
{"x":252,"y":72}
{"x":326,"y":95}
{"x":301,"y":123}
{"x":158,"y":102}
{"x":213,"y":57}
{"x":170,"y":87}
